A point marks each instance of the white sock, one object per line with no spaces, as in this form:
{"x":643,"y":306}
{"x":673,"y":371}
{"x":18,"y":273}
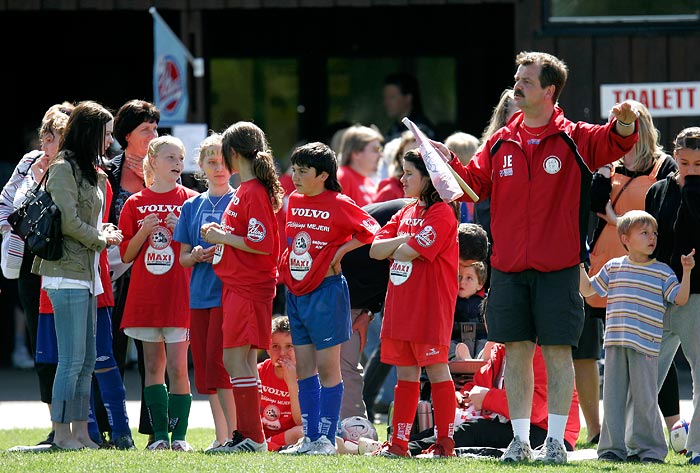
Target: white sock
{"x":556,"y":427}
{"x":521,"y":429}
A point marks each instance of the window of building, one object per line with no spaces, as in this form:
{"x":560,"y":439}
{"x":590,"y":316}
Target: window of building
{"x":355,"y":89}
{"x":264,"y":91}
{"x":622,"y":11}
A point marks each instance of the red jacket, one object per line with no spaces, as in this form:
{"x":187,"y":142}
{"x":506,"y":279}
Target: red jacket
{"x":490,"y":376}
{"x":539,"y":208}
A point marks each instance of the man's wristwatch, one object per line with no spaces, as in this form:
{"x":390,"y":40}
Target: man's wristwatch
{"x":369,"y":313}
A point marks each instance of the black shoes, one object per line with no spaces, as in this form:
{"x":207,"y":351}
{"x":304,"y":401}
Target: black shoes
{"x":49,"y":439}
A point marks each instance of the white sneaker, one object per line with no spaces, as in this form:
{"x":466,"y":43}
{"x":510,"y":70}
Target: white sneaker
{"x":159,"y":445}
{"x":552,"y":452}
{"x":365,"y":445}
{"x":181,"y":446}
{"x":322,"y":446}
{"x":302,"y":446}
{"x":240,"y":444}
{"x":345,"y":446}
{"x":215,"y":445}
{"x":517,"y":451}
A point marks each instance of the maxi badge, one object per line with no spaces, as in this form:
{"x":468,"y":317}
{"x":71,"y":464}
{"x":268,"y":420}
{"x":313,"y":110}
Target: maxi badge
{"x":159,"y":257}
{"x":218,"y":253}
{"x":299,"y":259}
{"x":400,"y":271}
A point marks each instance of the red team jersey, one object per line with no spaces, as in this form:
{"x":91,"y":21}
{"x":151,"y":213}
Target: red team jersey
{"x":316,"y":227}
{"x":422,"y":293}
{"x":359,"y":188}
{"x":250,"y":215}
{"x":159,"y":289}
{"x":275,"y":403}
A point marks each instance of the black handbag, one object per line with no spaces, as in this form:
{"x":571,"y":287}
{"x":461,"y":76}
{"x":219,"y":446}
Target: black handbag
{"x":38,"y":222}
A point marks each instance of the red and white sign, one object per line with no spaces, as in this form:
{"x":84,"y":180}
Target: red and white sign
{"x":663,"y":99}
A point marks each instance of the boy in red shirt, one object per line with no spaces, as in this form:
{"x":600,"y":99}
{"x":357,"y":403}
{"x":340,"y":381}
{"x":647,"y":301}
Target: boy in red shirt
{"x":322,"y":226}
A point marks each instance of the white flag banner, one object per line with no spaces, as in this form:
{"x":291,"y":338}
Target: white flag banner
{"x":443,"y":180}
{"x":169,"y":73}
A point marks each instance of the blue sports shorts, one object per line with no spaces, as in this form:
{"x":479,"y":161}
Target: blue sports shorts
{"x":321,"y":317}
{"x":47,"y":349}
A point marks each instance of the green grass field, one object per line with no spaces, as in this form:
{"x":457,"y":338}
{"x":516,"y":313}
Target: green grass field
{"x":140,"y":460}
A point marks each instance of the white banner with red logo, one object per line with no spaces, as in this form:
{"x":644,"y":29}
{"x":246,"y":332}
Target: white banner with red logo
{"x":169,"y":74}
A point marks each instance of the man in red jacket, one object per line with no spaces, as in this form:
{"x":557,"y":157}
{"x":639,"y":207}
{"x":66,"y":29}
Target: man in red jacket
{"x":536,"y":170}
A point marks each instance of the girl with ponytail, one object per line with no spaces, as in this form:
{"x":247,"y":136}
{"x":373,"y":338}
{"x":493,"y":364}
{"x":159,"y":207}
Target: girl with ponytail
{"x":245,"y":259}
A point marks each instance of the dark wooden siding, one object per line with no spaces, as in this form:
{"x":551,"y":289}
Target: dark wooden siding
{"x":604,"y":55}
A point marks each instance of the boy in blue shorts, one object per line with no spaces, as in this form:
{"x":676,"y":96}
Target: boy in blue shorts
{"x":322,"y":226}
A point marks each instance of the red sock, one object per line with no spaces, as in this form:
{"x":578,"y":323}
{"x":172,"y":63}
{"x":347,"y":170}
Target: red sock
{"x":444,"y":405}
{"x":247,"y":397}
{"x":406,"y":394}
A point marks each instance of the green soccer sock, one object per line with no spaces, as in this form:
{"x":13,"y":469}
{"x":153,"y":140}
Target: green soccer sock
{"x":179,"y":414}
{"x":156,"y":398}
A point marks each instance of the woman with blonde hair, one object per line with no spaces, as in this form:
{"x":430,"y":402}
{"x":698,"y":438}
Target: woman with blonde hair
{"x":616,"y":189}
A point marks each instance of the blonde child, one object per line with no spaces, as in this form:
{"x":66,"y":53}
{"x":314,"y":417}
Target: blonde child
{"x":157,"y":305}
{"x":206,"y":312}
{"x":638,"y":288}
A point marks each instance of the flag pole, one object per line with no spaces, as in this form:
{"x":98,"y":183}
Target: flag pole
{"x":197,"y":63}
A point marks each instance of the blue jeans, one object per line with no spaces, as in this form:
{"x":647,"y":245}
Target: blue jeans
{"x":74,"y":315}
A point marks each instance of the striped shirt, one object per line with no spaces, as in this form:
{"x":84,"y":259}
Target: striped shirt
{"x":637,"y":295}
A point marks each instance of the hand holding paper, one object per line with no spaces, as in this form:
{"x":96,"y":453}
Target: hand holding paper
{"x":447,"y":182}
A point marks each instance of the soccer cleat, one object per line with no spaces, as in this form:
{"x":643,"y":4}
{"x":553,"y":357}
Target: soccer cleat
{"x":390,"y":451}
{"x":159,"y":445}
{"x":322,"y":446}
{"x":444,"y":448}
{"x":551,"y":452}
{"x":240,"y":444}
{"x":181,"y":446}
{"x":214,"y":445}
{"x":302,"y":446}
{"x":694,"y":459}
{"x":517,"y":451}
{"x":125,"y":442}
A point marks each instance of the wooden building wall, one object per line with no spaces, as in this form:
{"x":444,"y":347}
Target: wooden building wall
{"x":607,"y":54}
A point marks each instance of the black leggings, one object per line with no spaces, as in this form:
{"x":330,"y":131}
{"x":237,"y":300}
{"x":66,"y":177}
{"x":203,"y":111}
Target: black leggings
{"x":479,"y":433}
{"x":669,"y":396}
{"x":28,"y":290}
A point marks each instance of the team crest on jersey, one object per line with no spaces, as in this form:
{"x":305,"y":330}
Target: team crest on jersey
{"x":371,"y":224}
{"x":302,"y":243}
{"x":271,"y":417}
{"x":256,"y":230}
{"x":426,"y":237}
{"x":299,"y":259}
{"x":160,"y":237}
{"x":552,"y":165}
